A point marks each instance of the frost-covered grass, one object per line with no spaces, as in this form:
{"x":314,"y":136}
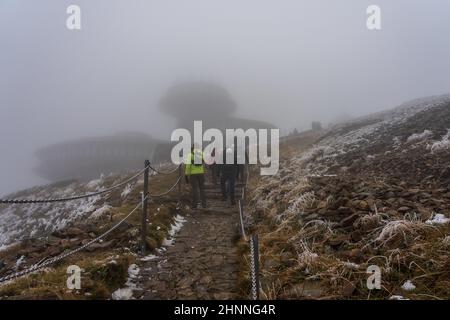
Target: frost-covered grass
{"x":419,"y":136}
{"x":107,"y":269}
{"x":297,"y":248}
{"x":23,"y":221}
{"x":103,"y":274}
{"x":443,"y":144}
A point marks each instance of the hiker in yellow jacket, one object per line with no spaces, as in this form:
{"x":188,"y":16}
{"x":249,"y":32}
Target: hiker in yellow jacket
{"x":195,"y":175}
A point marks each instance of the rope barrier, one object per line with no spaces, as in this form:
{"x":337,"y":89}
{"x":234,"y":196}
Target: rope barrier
{"x":165,"y":173}
{"x":254,"y":266}
{"x":253,"y":243}
{"x":241,"y":217}
{"x":48,"y":261}
{"x":45,"y":263}
{"x":23,"y":201}
{"x":168,"y":191}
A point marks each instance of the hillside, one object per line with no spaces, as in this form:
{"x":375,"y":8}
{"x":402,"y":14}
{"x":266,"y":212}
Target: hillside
{"x":31,"y":234}
{"x":373,"y":191}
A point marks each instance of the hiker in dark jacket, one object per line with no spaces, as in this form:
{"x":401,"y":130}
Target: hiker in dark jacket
{"x":213,"y":167}
{"x":228,"y":173}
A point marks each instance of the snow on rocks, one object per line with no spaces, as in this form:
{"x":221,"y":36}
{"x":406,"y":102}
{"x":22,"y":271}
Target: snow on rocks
{"x":126,"y":293}
{"x":175,"y":228}
{"x":100,"y":212}
{"x":126,"y":191}
{"x":20,"y":261}
{"x":408,"y":286}
{"x":416,"y":137}
{"x":443,"y":144}
{"x":149,"y":257}
{"x":438,"y":219}
{"x":122,"y":294}
{"x":397,"y":297}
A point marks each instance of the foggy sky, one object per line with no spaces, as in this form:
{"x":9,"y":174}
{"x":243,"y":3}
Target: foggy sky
{"x":286,"y":62}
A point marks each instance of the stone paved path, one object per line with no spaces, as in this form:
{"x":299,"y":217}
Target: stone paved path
{"x":202,"y":263}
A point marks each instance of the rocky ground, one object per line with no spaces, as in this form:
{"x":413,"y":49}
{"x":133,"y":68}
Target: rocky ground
{"x":202,"y":263}
{"x":371,"y":192}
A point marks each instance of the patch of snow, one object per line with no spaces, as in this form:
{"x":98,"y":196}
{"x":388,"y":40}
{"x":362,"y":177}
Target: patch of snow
{"x":397,"y":297}
{"x":126,"y":293}
{"x":408,"y":286}
{"x":149,"y":257}
{"x":20,"y":261}
{"x":438,"y":219}
{"x":419,"y":136}
{"x":351,"y":265}
{"x":133,"y":270}
{"x":95,"y":183}
{"x":126,"y":191}
{"x":443,"y":144}
{"x":100,"y":211}
{"x":167,"y":242}
{"x":122,"y":294}
{"x":175,"y":228}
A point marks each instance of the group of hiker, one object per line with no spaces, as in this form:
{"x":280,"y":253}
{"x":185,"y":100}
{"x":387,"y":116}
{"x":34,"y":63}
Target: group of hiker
{"x":226,"y":172}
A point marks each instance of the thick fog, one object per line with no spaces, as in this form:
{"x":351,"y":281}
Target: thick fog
{"x":283,"y":62}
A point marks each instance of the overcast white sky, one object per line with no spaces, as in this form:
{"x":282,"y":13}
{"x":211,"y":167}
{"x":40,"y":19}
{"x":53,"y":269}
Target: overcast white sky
{"x":288,"y":62}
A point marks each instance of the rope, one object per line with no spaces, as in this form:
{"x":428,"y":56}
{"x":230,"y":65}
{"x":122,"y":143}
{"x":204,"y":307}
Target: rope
{"x":164,"y":193}
{"x":253,"y":270}
{"x":241,"y":218}
{"x":22,"y":201}
{"x":165,"y":173}
{"x":53,"y":260}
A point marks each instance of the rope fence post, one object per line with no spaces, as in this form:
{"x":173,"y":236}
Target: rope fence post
{"x":241,"y":218}
{"x":180,"y":171}
{"x":144,"y":209}
{"x":254,"y":251}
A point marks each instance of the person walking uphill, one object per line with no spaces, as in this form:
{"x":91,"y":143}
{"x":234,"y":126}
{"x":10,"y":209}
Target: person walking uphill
{"x":228,"y":174}
{"x":195,"y":175}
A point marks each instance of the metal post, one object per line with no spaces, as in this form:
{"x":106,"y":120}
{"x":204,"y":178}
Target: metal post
{"x":256,"y":262}
{"x":241,"y":219}
{"x":144,"y":209}
{"x":180,"y":171}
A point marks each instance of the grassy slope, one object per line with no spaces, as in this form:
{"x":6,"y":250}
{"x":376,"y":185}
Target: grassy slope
{"x":100,"y":277}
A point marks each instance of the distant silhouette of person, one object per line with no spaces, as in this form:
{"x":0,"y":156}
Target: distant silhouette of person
{"x":195,"y":175}
{"x":213,"y":167}
{"x":228,"y":173}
